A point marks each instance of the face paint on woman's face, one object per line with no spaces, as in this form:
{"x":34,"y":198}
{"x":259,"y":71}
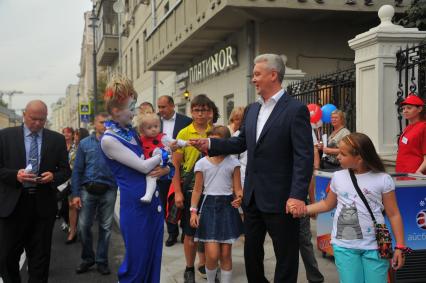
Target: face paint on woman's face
{"x":132,"y":106}
{"x":126,"y":115}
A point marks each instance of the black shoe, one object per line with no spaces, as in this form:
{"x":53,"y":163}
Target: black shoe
{"x":103,"y":269}
{"x":171,"y":240}
{"x":72,"y":240}
{"x":189,"y":276}
{"x":84,"y":267}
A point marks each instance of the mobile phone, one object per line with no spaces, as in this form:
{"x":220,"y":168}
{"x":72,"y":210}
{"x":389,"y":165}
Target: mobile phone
{"x":37,"y":179}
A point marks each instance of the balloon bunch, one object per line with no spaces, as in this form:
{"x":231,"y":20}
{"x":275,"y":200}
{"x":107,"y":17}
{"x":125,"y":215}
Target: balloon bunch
{"x":320,"y":115}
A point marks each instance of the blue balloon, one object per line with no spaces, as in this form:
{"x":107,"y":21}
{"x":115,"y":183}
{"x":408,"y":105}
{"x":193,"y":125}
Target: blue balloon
{"x":326,"y":112}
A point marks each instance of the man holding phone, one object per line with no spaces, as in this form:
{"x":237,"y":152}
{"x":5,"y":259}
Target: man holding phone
{"x":33,"y":162}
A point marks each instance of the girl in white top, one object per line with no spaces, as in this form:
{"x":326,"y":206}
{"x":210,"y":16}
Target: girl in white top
{"x":218,"y":222}
{"x":353,"y":236}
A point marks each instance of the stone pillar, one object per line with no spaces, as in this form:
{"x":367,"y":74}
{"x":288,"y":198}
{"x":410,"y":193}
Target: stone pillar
{"x":377,"y":79}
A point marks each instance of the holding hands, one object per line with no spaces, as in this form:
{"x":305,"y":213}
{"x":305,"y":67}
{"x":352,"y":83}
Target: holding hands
{"x":296,"y":207}
{"x":237,"y":201}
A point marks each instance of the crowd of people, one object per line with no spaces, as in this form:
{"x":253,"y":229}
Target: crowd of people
{"x":253,"y":176}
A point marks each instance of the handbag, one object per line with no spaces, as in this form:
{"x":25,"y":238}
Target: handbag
{"x":173,"y":213}
{"x":383,"y":235}
{"x":96,"y":188}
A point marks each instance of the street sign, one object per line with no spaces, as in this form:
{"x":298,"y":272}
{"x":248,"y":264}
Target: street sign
{"x":85,"y":109}
{"x":85,"y":118}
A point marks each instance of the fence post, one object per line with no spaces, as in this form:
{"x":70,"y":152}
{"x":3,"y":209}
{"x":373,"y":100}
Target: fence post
{"x":377,"y":79}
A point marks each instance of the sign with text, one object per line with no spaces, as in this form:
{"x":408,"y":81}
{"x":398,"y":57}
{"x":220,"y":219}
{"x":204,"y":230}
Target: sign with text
{"x":222,"y":60}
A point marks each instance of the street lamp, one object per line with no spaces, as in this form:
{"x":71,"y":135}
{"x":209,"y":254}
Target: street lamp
{"x":10,"y":94}
{"x":187,"y":95}
{"x":94,"y":19}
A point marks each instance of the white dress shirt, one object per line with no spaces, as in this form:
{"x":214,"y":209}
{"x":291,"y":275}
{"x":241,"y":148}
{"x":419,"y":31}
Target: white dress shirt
{"x":169,"y":125}
{"x":266,"y":110}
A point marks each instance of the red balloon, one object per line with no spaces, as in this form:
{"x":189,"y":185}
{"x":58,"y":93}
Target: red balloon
{"x":315,"y":112}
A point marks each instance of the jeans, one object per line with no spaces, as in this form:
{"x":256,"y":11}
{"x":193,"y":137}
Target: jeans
{"x":360,"y":266}
{"x":103,"y":207}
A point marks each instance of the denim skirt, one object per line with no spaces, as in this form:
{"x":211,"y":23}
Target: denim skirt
{"x":219,"y":220}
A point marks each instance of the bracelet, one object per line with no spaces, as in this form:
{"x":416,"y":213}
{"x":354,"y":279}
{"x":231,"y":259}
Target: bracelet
{"x":403,"y":249}
{"x":193,"y":209}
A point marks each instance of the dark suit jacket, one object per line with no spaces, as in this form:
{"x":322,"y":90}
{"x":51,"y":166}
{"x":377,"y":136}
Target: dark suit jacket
{"x":181,"y":122}
{"x":280,"y":163}
{"x":53,"y":158}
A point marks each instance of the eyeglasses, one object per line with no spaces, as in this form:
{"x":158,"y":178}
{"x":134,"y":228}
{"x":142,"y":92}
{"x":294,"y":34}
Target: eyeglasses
{"x":200,"y":110}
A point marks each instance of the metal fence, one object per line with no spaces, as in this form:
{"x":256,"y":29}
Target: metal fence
{"x":336,"y":88}
{"x":411,"y":67}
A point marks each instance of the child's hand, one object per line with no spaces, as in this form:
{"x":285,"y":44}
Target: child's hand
{"x":194,"y":220}
{"x":398,"y":259}
{"x":237,"y":201}
{"x":174,"y":146}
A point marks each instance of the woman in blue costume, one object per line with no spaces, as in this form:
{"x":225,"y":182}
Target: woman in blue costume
{"x":141,"y":224}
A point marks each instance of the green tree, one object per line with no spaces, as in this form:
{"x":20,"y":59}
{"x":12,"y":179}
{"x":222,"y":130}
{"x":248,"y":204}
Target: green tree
{"x":414,"y":16}
{"x":101,"y":84}
{"x":2,"y":103}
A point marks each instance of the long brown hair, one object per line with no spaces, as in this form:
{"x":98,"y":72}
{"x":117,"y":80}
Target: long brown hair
{"x":361,"y":145}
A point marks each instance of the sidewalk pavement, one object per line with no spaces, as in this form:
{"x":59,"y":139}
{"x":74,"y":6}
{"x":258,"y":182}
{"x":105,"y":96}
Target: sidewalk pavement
{"x":173,"y":263}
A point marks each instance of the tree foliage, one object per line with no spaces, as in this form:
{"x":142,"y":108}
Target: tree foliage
{"x":414,"y":16}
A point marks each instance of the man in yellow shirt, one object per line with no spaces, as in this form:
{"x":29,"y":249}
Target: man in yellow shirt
{"x":183,"y":181}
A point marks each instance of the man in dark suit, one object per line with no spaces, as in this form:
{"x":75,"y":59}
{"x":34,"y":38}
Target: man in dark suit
{"x":277,"y":135}
{"x":33,"y":161}
{"x":171,"y":124}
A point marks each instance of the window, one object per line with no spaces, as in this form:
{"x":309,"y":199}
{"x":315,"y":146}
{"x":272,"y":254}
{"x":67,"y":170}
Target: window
{"x":144,"y":51}
{"x":229,"y":105}
{"x":181,"y":109}
{"x":131,"y":64}
{"x":166,"y":7}
{"x":125,"y":65}
{"x":138,"y":62}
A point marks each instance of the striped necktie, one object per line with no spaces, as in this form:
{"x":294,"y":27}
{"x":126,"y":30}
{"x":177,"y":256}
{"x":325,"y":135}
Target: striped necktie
{"x":33,"y":156}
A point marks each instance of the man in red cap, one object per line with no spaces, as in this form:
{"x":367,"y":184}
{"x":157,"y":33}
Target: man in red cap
{"x":411,"y":156}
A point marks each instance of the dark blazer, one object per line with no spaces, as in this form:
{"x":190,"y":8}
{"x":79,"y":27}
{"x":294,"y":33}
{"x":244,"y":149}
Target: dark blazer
{"x":280,"y":163}
{"x":181,"y":122}
{"x":54,"y":158}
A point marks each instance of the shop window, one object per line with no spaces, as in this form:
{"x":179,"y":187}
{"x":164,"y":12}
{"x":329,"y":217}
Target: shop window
{"x":181,"y":109}
{"x":229,"y":105}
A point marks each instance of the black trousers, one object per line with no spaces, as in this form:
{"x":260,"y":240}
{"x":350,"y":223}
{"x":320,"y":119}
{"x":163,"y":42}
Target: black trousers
{"x":284,"y":231}
{"x":164,"y":186}
{"x":25,"y":230}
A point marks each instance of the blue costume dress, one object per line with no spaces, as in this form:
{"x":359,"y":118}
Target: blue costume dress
{"x":141,"y":224}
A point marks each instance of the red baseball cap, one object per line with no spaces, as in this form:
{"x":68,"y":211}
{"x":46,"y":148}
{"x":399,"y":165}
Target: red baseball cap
{"x":413,"y":100}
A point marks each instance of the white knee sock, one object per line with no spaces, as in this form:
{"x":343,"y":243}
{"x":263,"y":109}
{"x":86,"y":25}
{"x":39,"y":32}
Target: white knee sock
{"x":225,"y":276}
{"x":211,"y":275}
{"x":151,"y":185}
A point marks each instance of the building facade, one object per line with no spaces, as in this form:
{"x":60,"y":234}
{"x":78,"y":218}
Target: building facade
{"x":168,"y":47}
{"x":86,"y":62}
{"x":8,"y":118}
